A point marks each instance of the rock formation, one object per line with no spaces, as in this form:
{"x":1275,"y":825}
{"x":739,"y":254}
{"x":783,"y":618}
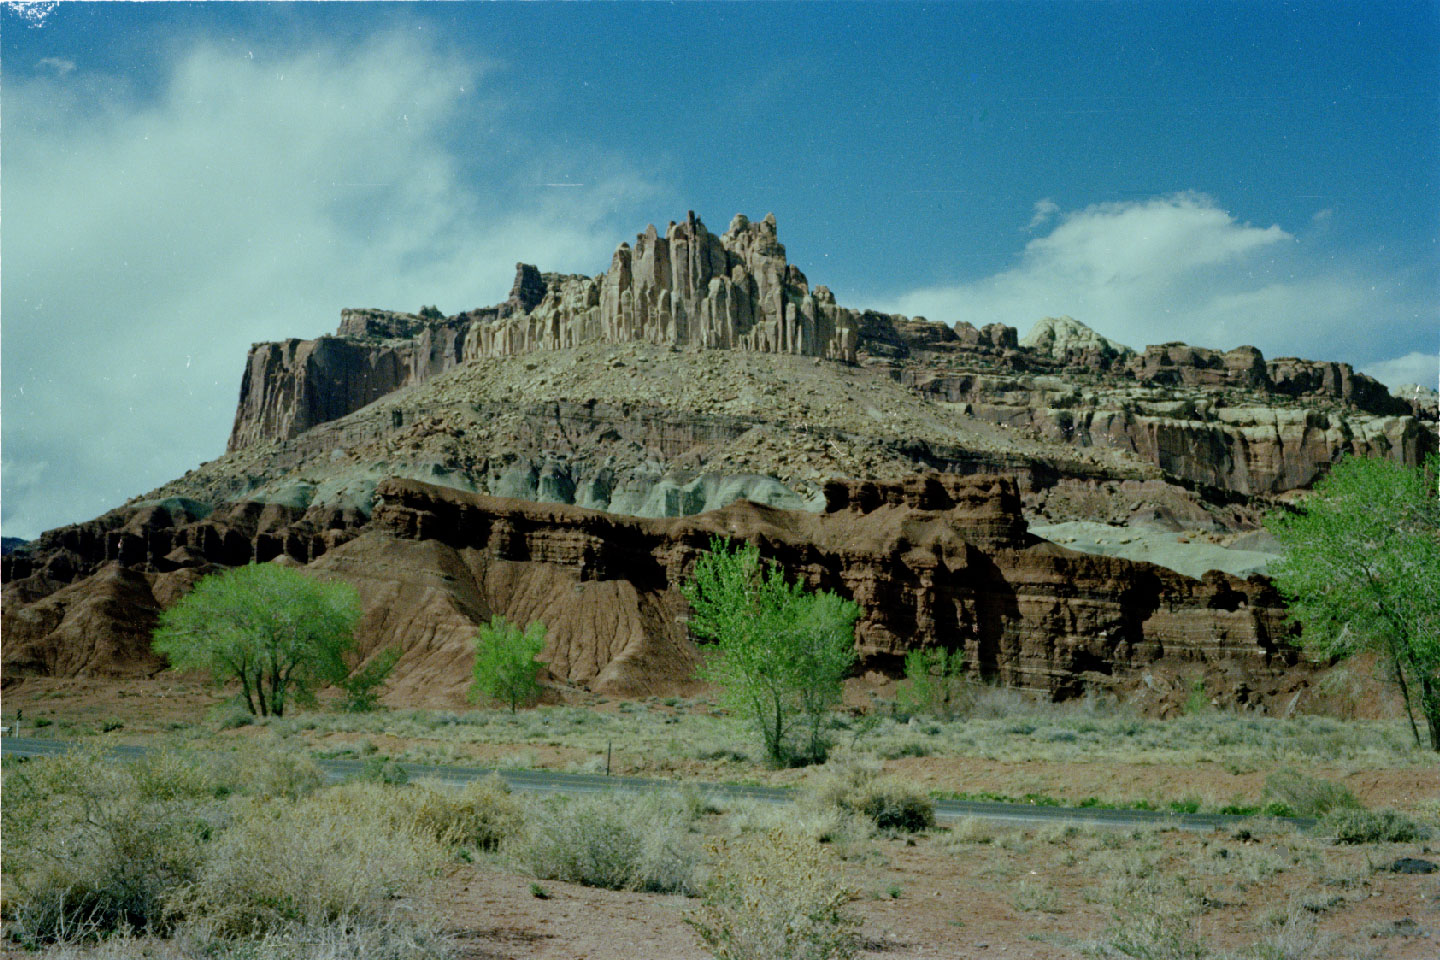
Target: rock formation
{"x":687,"y":288}
{"x":1070,"y":341}
{"x":500,"y":460}
{"x":1217,"y":424}
{"x":935,"y":561}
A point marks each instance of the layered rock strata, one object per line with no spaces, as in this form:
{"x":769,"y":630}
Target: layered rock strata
{"x":685,"y":288}
{"x":1220,"y":424}
{"x":936,"y":561}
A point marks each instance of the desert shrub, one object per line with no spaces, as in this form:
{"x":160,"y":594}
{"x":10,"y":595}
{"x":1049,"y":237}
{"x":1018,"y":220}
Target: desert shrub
{"x":934,"y":684}
{"x":612,"y":840}
{"x":88,"y":852}
{"x":362,"y":688}
{"x":775,"y":896}
{"x":482,"y":814}
{"x":1151,"y":935}
{"x":267,"y":771}
{"x":175,"y":774}
{"x":381,"y":770}
{"x":1372,"y":826}
{"x":401,"y":937}
{"x":253,"y":768}
{"x":1296,"y":936}
{"x":968,"y":831}
{"x":230,"y":715}
{"x":889,"y":804}
{"x":335,"y":856}
{"x":1308,"y":796}
{"x":895,"y":749}
{"x":998,"y":703}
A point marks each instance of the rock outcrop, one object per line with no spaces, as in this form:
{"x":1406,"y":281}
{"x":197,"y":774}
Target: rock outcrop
{"x":935,"y":561}
{"x":1071,"y":342}
{"x":1063,"y":406}
{"x":686,"y":288}
{"x":294,"y":385}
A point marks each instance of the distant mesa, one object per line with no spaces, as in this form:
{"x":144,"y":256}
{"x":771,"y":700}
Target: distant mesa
{"x":687,"y":288}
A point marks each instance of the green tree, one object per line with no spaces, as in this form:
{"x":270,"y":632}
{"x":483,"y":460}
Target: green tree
{"x":1361,"y":573}
{"x":934,"y":683}
{"x":431,"y":313}
{"x":505,"y":664}
{"x":782,"y":652}
{"x":277,"y":631}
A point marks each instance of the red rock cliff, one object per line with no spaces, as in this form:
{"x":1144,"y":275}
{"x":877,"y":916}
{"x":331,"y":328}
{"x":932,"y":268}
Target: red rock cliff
{"x":938,"y":561}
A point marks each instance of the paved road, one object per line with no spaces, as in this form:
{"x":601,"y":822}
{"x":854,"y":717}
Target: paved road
{"x":546,"y":781}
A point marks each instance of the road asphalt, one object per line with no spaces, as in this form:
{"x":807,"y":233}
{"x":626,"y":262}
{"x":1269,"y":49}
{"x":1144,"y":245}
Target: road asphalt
{"x":547,"y":781}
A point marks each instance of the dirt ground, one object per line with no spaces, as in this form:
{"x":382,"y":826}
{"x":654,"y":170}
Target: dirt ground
{"x":976,"y":890}
{"x":135,"y":711}
{"x":1039,"y":900}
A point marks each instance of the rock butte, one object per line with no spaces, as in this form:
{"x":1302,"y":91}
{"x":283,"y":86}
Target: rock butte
{"x":895,"y":459}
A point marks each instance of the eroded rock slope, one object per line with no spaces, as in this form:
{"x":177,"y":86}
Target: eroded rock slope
{"x":934,"y":561}
{"x":702,"y":368}
{"x":505,"y":459}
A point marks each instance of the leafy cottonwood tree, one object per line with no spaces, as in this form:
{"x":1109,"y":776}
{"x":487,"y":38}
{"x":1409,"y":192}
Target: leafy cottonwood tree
{"x":782,"y":651}
{"x":1362,"y":573}
{"x":277,"y":631}
{"x":505,"y":664}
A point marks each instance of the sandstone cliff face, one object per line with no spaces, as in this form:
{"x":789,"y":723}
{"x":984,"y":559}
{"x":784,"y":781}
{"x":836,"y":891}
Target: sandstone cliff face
{"x":1220,"y":424}
{"x":294,"y":385}
{"x":687,"y":288}
{"x":935,"y":561}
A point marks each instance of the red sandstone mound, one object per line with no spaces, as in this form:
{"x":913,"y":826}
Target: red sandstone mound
{"x":939,"y":560}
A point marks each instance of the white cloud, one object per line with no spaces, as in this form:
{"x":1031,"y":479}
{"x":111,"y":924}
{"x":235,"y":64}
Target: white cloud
{"x":57,"y":65}
{"x":1414,"y":367}
{"x":1182,"y":268}
{"x":147,"y":245}
{"x":1045,"y":210}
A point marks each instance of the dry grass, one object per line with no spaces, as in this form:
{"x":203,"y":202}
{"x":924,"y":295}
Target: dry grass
{"x":891,"y":805}
{"x":222,"y":850}
{"x":617,"y":841}
{"x":775,"y":896}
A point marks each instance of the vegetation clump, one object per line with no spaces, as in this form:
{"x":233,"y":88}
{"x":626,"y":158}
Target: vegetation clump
{"x":94,"y":846}
{"x":280,"y":633}
{"x":782,"y":651}
{"x":889,"y":804}
{"x":775,"y":896}
{"x":337,"y":855}
{"x":1303,"y":796}
{"x":1346,"y":825}
{"x":934,"y":684}
{"x":1361,"y":573}
{"x":362,"y":688}
{"x":614,"y":841}
{"x":505,"y":664}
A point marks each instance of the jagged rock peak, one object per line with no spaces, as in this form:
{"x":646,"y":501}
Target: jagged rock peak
{"x":528,"y":289}
{"x":685,"y":288}
{"x":1061,"y":337}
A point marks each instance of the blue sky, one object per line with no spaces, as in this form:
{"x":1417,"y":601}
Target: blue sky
{"x":180,"y":180}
